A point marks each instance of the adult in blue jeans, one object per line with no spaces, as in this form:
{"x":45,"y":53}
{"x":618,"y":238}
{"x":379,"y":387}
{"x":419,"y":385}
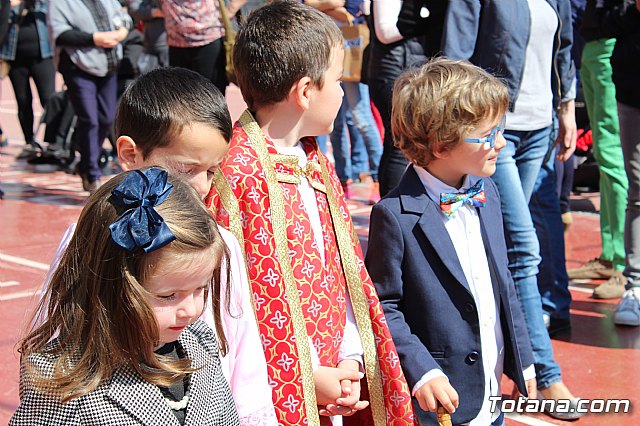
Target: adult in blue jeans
{"x":527,"y":43}
{"x":356,"y":101}
{"x":553,"y":280}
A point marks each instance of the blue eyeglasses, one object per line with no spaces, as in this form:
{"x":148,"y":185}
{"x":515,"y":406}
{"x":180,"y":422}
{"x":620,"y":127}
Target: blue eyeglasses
{"x":491,"y":139}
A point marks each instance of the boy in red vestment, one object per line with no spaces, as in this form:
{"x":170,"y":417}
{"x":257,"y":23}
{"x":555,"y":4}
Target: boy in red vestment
{"x":317,"y":310}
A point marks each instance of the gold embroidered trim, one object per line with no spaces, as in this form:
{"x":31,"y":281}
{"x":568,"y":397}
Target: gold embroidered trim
{"x":287,"y":178}
{"x":306,"y":171}
{"x":358,"y":303}
{"x":230,"y":204}
{"x":278,"y":215}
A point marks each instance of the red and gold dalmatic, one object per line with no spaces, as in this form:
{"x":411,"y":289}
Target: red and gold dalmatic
{"x":299,"y":300}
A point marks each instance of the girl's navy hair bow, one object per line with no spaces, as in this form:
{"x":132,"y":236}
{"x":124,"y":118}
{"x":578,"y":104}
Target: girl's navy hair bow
{"x":140,"y":226}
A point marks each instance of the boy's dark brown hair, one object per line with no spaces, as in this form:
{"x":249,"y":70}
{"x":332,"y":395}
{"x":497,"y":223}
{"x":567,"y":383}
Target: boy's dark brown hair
{"x":96,"y":304}
{"x":278,"y":45}
{"x":437,"y":105}
{"x":161,"y":103}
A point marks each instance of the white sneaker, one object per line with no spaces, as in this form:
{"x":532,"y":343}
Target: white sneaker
{"x":628,"y":310}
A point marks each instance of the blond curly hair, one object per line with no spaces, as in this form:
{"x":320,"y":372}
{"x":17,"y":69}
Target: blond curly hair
{"x":436,"y":105}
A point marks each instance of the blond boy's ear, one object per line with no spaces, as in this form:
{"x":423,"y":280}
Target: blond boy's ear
{"x":440,"y":151}
{"x":301,"y":92}
{"x":129,"y":154}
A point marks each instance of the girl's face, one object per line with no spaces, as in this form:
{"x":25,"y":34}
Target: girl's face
{"x":196,"y":154}
{"x":177,"y":295}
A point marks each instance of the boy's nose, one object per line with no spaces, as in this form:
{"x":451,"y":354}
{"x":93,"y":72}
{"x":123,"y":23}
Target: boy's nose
{"x":201,"y":184}
{"x":500,"y":142}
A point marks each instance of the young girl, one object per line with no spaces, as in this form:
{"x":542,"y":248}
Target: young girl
{"x":117,"y":338}
{"x":185,"y":127}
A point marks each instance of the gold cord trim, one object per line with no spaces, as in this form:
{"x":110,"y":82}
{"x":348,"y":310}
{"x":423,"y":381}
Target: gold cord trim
{"x":358,"y":302}
{"x":276,"y":199}
{"x":230,"y":204}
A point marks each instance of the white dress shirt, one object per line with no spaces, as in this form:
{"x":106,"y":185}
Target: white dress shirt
{"x":466,"y":235}
{"x":351,"y":346}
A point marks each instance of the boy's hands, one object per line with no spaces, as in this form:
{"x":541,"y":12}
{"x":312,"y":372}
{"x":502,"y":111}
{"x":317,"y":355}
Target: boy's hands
{"x":532,"y":390}
{"x":437,"y":390}
{"x":338,"y":389}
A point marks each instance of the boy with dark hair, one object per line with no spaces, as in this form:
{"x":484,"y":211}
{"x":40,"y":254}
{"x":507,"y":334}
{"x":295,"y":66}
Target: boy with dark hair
{"x":437,"y":253}
{"x":316,"y":307}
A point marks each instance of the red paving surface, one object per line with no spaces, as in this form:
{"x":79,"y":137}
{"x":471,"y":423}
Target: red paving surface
{"x":599,"y":360}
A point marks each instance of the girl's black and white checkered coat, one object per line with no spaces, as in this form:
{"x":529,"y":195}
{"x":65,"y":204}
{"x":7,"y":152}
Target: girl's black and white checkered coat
{"x":127,"y":399}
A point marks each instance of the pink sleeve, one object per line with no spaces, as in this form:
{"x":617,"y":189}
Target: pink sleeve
{"x":244,"y":365}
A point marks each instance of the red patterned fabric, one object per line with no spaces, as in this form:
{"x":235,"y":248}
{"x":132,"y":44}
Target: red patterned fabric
{"x":321,"y":288}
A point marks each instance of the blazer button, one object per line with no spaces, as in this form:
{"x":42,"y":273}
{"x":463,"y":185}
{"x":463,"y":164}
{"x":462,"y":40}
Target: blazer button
{"x":469,"y":307}
{"x":473,"y":357}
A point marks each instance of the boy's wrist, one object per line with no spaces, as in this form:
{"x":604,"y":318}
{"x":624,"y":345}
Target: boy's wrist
{"x":427,"y":377}
{"x":351,"y":364}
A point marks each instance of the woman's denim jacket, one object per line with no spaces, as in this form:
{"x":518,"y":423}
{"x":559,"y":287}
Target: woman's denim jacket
{"x":8,"y":49}
{"x":494,"y":34}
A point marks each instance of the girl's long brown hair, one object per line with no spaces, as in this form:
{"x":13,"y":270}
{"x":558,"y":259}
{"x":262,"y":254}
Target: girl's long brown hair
{"x":96,"y":306}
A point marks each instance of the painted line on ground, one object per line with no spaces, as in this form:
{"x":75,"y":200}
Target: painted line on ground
{"x":19,"y":295}
{"x":24,"y":262}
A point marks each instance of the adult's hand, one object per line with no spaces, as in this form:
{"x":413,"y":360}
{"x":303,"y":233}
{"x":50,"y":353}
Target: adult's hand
{"x":324,"y":4}
{"x":234,"y":6}
{"x":567,"y":131}
{"x":109,"y":39}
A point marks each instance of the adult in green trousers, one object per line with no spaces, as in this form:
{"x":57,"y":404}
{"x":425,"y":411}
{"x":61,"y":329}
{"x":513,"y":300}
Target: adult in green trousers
{"x":599,"y":93}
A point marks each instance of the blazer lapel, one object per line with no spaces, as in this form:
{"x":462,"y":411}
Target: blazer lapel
{"x":142,"y":400}
{"x":486,"y":215}
{"x":416,"y":200}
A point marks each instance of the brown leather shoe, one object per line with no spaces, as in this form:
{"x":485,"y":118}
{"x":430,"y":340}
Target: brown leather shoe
{"x":614,"y":288}
{"x":595,"y":269}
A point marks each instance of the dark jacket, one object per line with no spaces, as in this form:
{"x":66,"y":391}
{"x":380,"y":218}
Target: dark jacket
{"x":388,"y":61}
{"x":39,"y":11}
{"x":493,"y":34}
{"x":622,"y":22}
{"x":426,"y":299}
{"x":411,"y":23}
{"x":591,"y":25}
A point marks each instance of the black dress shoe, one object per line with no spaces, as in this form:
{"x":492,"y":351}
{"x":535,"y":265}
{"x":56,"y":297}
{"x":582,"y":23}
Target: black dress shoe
{"x":558,"y":326}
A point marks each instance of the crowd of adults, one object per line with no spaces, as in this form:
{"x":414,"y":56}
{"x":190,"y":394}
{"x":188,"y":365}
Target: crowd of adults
{"x":543,"y":50}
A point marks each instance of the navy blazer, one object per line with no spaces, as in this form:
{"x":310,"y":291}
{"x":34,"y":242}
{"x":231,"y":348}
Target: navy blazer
{"x":426,"y":299}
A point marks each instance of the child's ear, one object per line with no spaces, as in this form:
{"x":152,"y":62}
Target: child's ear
{"x":440,"y":151}
{"x":301,"y":92}
{"x":129,"y":154}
